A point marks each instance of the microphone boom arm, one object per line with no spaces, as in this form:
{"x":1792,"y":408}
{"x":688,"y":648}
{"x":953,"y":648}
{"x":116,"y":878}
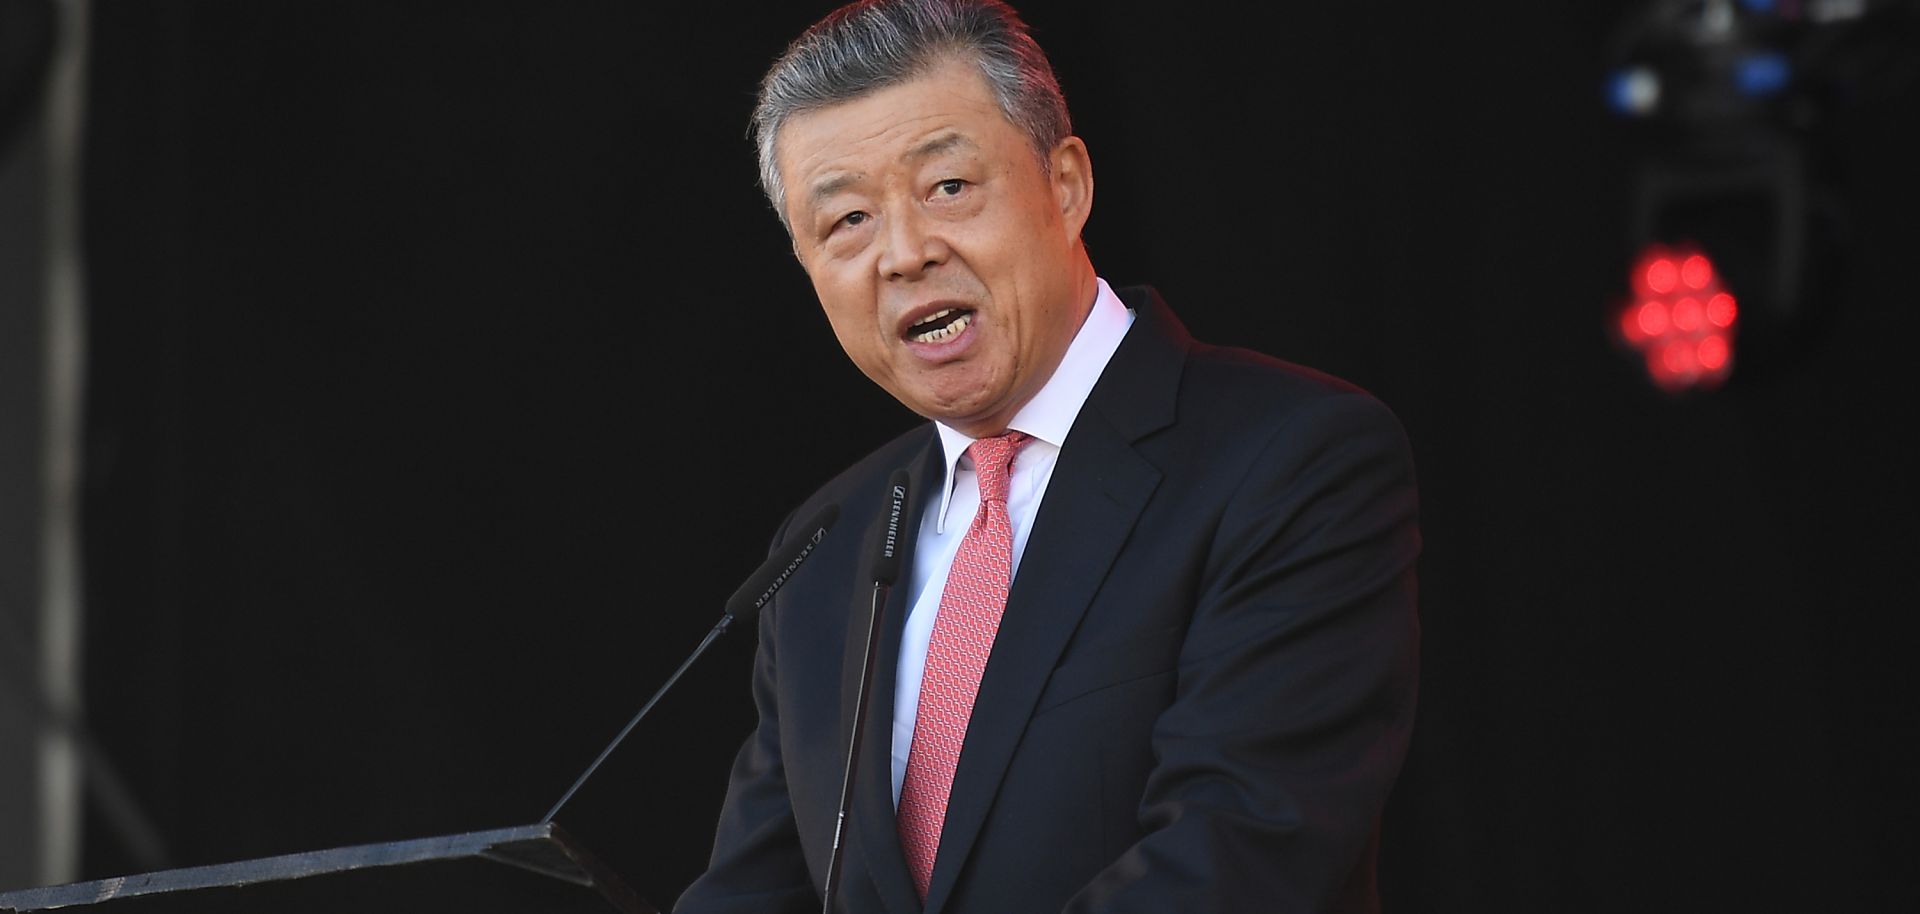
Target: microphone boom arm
{"x":745,"y":603}
{"x":712,"y":635}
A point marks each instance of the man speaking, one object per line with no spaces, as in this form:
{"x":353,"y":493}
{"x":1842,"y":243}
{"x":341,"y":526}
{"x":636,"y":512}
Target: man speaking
{"x":1154,"y":644}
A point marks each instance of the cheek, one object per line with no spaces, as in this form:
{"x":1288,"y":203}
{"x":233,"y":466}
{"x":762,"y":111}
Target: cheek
{"x":842,"y":301}
{"x":851,"y":316}
{"x":848,"y":327}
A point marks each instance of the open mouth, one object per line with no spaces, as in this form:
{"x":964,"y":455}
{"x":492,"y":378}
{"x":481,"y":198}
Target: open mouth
{"x":941,"y":325}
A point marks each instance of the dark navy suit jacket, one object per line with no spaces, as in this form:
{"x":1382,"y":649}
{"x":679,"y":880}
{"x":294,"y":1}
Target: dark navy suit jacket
{"x":1201,"y":691}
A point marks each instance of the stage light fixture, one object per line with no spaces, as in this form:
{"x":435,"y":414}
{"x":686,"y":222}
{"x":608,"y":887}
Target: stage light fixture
{"x":1680,"y":319}
{"x":1733,"y":216}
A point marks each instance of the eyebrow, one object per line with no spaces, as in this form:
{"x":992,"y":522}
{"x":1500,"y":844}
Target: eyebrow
{"x":827,"y":188}
{"x":946,"y":142}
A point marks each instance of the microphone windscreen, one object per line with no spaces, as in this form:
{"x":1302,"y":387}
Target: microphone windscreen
{"x":886,"y":558}
{"x":765,"y":581}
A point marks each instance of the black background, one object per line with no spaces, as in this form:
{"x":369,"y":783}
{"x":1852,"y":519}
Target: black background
{"x":448,"y":371}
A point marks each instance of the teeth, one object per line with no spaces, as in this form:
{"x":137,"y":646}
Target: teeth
{"x":945,"y":333}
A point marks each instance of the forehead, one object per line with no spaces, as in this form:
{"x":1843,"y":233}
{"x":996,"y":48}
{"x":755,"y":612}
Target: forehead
{"x":948,"y":109}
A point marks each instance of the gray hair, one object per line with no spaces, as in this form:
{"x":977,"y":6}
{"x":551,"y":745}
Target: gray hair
{"x":872,"y":44}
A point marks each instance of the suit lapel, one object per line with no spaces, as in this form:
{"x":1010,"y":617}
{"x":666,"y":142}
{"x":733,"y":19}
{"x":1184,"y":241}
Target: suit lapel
{"x":1098,"y":490}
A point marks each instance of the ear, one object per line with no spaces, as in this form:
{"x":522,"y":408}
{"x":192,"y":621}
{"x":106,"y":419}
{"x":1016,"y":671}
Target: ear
{"x":1072,"y":183}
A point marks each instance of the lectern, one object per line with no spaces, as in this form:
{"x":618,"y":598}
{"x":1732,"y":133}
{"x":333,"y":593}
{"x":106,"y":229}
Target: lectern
{"x":536,"y":869}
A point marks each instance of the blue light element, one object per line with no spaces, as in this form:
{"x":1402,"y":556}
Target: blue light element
{"x":1762,"y":73}
{"x":1759,"y":7}
{"x":1633,"y":91}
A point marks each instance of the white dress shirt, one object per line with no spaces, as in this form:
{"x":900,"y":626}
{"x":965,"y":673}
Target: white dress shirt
{"x":1047,"y":417}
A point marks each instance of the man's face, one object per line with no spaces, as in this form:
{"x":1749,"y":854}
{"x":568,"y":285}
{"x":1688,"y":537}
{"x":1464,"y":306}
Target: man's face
{"x":948,"y":262}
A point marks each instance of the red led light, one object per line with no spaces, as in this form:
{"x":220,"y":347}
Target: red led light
{"x":1652,"y":317}
{"x":1680,"y":318}
{"x":1721,"y":310}
{"x":1696,"y":271}
{"x":1678,"y":357}
{"x":1661,"y":275}
{"x":1712,"y":352}
{"x":1630,"y":325}
{"x":1688,"y":315}
{"x":1658,"y":370}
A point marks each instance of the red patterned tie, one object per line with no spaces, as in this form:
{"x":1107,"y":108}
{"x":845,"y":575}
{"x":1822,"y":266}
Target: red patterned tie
{"x":962,"y":637}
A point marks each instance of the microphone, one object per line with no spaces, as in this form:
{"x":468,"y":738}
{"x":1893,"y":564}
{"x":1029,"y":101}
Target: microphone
{"x":760,"y":586}
{"x":886,"y":567}
{"x":744,"y":604}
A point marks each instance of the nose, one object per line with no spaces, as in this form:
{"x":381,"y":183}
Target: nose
{"x":911,"y":246}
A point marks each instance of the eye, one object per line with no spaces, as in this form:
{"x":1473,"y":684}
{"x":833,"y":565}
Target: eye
{"x":951,"y":187}
{"x":852,"y":219}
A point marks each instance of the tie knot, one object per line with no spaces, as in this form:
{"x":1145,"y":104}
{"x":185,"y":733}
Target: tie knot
{"x":993,"y":462}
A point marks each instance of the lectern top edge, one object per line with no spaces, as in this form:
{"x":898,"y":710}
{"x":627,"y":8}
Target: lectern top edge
{"x":544,"y":848}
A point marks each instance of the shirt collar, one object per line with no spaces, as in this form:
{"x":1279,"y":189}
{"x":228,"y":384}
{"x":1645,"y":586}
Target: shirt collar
{"x":1050,"y":414}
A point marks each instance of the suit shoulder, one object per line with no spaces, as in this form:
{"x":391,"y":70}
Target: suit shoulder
{"x":1260,"y":383}
{"x":1247,"y":408}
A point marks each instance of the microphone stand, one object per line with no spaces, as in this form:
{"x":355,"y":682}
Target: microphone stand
{"x":886,"y":567}
{"x":853,"y":745}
